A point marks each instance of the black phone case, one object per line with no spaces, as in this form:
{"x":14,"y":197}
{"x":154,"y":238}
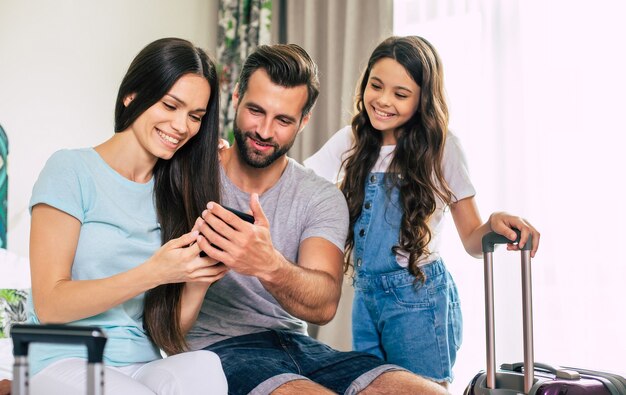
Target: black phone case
{"x":240,"y":214}
{"x":246,"y":217}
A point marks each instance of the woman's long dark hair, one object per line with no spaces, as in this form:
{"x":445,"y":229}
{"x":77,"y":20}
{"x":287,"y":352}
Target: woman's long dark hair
{"x":416,"y":164}
{"x":184,"y":184}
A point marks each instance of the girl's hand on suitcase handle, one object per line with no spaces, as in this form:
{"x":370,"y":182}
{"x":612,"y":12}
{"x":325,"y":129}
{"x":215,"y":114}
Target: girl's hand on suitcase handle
{"x":504,"y":223}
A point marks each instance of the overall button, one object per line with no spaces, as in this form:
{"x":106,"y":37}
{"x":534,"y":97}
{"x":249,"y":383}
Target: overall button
{"x":373,"y":179}
{"x":358,"y":262}
{"x":362,"y":232}
{"x":368,"y":205}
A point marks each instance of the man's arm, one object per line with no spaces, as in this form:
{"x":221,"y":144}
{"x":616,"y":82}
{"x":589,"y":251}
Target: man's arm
{"x":309,"y":290}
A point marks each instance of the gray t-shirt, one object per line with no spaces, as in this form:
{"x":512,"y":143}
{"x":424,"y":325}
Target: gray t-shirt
{"x":300,"y":205}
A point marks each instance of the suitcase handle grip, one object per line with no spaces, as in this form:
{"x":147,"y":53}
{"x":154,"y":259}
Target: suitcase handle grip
{"x":557,"y":371}
{"x":493,"y":238}
{"x":91,"y":336}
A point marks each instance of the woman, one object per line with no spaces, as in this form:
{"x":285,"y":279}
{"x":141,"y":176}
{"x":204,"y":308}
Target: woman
{"x":100,"y":215}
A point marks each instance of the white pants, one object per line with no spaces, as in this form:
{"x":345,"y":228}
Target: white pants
{"x":189,"y":373}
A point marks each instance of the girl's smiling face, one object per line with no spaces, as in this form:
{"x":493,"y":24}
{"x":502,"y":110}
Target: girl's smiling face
{"x":391,"y":97}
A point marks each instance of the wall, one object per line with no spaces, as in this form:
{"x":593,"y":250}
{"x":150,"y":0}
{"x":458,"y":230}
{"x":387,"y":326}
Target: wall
{"x":61,"y":64}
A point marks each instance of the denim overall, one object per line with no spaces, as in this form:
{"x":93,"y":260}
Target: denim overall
{"x":412,"y":324}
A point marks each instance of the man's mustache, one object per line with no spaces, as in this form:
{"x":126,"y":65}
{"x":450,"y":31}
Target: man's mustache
{"x":257,"y":137}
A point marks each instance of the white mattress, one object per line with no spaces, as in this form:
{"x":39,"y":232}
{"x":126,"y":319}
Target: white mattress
{"x":6,"y":359}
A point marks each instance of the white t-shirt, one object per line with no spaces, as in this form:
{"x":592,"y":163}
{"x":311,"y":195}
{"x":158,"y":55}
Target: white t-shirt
{"x":327,"y":163}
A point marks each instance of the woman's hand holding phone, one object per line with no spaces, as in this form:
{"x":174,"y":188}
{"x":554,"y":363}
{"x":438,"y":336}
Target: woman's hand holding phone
{"x":178,"y":261}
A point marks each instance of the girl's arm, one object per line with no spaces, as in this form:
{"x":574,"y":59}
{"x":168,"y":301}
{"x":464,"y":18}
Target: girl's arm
{"x":59,"y":299}
{"x":471,"y":229}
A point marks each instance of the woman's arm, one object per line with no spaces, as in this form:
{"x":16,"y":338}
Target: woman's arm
{"x":195,"y":290}
{"x":58,"y":298}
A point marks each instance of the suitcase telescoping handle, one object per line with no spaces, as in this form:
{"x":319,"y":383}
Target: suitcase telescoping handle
{"x":90,"y":336}
{"x":489,"y":241}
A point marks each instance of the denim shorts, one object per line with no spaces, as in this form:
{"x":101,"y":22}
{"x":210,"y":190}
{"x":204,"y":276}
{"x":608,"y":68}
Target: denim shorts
{"x":413,"y":325}
{"x":259,"y":363}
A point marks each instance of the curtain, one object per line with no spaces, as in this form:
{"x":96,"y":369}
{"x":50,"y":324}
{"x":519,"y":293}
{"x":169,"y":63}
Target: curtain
{"x":242,"y":25}
{"x":339,"y":35}
{"x":12,"y":301}
{"x":4,"y":187}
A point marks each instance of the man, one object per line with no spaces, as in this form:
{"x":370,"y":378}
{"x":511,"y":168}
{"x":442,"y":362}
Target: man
{"x":286,"y":268}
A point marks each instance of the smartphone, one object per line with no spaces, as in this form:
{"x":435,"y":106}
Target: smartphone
{"x":240,"y":214}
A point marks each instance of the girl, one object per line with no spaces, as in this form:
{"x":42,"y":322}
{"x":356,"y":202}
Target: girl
{"x":100,"y":215}
{"x":400,"y":167}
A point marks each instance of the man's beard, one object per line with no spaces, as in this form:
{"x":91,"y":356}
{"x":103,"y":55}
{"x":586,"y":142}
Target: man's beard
{"x":252,"y":157}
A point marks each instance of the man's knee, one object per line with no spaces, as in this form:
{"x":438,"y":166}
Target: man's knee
{"x":301,"y":387}
{"x":402,"y":382}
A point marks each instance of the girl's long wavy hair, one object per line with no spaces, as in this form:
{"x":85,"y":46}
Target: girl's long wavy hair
{"x":184,"y":184}
{"x":416,"y":164}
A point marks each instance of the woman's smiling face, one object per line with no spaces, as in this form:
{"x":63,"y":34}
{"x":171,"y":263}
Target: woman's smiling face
{"x":170,"y":122}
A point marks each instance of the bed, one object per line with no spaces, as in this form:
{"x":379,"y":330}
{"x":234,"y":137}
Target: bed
{"x":14,"y":285}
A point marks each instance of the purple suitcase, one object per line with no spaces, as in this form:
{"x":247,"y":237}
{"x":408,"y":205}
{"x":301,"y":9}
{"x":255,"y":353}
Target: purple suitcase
{"x":537,"y":378}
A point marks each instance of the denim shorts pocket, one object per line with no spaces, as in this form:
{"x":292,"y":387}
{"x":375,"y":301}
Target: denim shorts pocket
{"x":434,"y":289}
{"x":412,"y":296}
{"x":455,"y":320}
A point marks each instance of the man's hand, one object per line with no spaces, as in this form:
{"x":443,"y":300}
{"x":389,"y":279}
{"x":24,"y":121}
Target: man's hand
{"x":243,"y":247}
{"x":223,"y":144}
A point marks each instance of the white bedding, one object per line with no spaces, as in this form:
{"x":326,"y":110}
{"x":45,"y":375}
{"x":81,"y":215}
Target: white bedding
{"x":14,"y":274}
{"x":6,"y":359}
{"x":14,"y":271}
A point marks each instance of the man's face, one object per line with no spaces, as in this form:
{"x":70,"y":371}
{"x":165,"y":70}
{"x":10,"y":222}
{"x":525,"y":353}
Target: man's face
{"x":267,"y":119}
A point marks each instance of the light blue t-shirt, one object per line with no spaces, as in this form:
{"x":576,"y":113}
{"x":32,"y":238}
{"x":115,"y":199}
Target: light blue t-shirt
{"x":119,"y":231}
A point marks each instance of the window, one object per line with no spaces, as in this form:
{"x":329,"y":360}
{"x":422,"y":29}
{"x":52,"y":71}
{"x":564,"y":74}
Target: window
{"x":536,"y":92}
